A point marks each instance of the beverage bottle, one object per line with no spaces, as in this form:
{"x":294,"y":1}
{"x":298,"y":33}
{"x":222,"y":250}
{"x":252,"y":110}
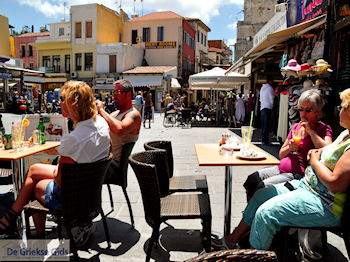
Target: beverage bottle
{"x":41,"y":128}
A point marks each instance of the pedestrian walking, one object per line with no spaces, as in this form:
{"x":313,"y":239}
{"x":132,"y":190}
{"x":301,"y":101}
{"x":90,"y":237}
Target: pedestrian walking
{"x":266,"y":103}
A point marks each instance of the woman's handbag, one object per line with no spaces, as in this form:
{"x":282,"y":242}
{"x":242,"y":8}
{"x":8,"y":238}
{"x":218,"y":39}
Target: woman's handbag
{"x":318,"y":50}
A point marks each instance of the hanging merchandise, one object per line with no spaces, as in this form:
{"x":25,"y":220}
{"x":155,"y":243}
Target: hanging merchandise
{"x":318,"y":50}
{"x":305,"y":70}
{"x":284,"y":60}
{"x":307,"y":51}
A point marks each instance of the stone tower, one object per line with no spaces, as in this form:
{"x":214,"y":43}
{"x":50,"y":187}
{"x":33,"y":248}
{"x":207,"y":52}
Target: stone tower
{"x":256,"y":14}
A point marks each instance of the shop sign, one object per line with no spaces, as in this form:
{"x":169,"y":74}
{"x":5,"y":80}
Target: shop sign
{"x":303,"y":10}
{"x":5,"y":75}
{"x":157,"y":45}
{"x":277,"y":22}
{"x":34,"y":79}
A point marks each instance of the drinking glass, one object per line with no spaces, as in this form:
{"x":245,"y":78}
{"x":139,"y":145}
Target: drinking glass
{"x":297,"y":138}
{"x":247,"y":133}
{"x":17,"y":135}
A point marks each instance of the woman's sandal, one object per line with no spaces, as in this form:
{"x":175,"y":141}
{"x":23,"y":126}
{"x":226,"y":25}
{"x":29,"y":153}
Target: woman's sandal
{"x":11,"y":217}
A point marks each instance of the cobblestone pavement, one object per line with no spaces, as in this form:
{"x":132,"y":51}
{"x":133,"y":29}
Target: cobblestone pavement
{"x":180,"y":238}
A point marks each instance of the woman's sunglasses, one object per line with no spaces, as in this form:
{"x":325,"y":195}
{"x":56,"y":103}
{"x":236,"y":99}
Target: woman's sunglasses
{"x":339,"y":108}
{"x":307,"y":110}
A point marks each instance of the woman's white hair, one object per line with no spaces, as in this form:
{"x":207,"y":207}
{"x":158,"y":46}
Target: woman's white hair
{"x":314,"y":97}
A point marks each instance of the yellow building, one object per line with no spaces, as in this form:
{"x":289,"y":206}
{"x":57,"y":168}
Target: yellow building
{"x":92,"y":24}
{"x":5,"y":36}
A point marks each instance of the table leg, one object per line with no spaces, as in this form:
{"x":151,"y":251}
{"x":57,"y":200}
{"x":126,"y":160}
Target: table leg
{"x":228,"y":194}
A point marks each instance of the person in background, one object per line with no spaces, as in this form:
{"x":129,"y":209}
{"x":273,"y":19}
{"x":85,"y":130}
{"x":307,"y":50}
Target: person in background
{"x":162,"y":104}
{"x":89,"y":142}
{"x":317,"y":200}
{"x":266,"y":103}
{"x":139,"y":102}
{"x":148,"y":109}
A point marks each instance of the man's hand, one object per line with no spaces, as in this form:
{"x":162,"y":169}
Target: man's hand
{"x":100,"y":105}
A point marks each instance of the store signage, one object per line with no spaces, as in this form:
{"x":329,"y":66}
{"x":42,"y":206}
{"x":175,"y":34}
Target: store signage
{"x":277,"y":22}
{"x":303,"y":10}
{"x":5,"y":75}
{"x":157,"y":45}
{"x":34,"y":79}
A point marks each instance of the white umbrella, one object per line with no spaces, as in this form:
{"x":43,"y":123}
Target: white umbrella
{"x":216,"y":79}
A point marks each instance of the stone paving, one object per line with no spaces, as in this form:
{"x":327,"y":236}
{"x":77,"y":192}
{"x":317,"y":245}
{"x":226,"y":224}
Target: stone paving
{"x":179,"y":238}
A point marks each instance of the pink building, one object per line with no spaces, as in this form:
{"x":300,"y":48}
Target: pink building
{"x":26,"y":50}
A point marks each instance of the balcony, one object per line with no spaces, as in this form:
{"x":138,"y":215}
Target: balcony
{"x":52,"y":70}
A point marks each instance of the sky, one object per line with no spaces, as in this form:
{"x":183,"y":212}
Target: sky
{"x":220,"y":16}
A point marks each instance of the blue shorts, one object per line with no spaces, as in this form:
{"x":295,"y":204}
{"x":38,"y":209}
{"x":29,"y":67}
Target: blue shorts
{"x":52,"y":196}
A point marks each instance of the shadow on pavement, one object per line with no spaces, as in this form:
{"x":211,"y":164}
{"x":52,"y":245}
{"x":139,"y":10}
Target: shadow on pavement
{"x":171,"y":239}
{"x":123,"y":237}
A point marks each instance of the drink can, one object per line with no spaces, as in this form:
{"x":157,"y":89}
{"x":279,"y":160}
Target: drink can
{"x":7,"y":140}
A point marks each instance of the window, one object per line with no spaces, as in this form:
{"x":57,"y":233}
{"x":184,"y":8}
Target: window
{"x":60,"y":31}
{"x":198,"y":36}
{"x":56,"y":63}
{"x":46,"y":61}
{"x":78,"y":62}
{"x":146,"y":37}
{"x":205,"y":40}
{"x":23,"y":51}
{"x":134,"y":36}
{"x":120,"y":37}
{"x":67,"y":63}
{"x":31,"y":65}
{"x":202,"y":38}
{"x":88,"y":26}
{"x":30,"y":50}
{"x":78,"y":30}
{"x":160,"y":35}
{"x":88,"y":62}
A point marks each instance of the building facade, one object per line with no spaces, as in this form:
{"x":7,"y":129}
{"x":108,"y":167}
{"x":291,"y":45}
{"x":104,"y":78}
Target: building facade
{"x":25,"y":48}
{"x":5,"y":39}
{"x":168,"y":38}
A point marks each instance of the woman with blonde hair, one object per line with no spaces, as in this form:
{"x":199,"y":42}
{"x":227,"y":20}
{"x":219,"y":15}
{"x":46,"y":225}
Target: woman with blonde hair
{"x":87,"y":143}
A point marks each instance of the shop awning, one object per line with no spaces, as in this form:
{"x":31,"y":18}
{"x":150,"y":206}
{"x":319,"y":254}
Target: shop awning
{"x":144,"y":80}
{"x":283,"y":35}
{"x":175,"y":84}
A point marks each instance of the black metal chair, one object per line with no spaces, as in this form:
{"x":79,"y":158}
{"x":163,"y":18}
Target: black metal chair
{"x":185,"y":118}
{"x":193,"y":183}
{"x":343,"y":231}
{"x":81,"y":186}
{"x":236,"y":255}
{"x":119,"y":176}
{"x":169,"y":118}
{"x":159,"y":209}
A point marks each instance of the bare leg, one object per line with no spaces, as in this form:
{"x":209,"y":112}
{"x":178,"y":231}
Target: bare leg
{"x":39,"y":194}
{"x":35,"y":173}
{"x":241,"y":230}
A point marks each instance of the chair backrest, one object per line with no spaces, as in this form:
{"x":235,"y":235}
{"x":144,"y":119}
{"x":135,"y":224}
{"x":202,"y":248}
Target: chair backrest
{"x":346,"y":214}
{"x":186,"y":113}
{"x":119,"y":175}
{"x":81,"y":187}
{"x":166,"y":145}
{"x":144,"y":165}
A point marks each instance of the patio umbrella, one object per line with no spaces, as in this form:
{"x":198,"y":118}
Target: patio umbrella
{"x":216,"y":79}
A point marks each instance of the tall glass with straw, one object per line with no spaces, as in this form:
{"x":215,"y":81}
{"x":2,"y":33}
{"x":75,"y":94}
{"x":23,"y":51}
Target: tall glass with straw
{"x":247,"y":133}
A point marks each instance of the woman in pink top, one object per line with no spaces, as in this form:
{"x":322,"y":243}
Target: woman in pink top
{"x":314,"y":134}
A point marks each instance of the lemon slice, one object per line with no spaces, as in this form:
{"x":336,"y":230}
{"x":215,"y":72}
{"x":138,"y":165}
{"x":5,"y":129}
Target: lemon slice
{"x":25,"y":122}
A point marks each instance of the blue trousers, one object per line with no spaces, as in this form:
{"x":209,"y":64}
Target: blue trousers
{"x":276,"y":206}
{"x":265,"y":124}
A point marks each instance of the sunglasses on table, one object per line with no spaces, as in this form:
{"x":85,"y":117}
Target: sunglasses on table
{"x":307,"y":110}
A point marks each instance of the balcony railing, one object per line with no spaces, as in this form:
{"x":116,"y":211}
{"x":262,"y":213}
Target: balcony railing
{"x":52,"y":70}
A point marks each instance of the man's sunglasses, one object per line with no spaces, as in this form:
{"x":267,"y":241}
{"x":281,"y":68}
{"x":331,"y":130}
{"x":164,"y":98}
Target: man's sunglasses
{"x":118,"y":92}
{"x":307,"y":110}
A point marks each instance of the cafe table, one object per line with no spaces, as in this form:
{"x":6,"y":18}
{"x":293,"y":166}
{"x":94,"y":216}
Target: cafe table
{"x":18,"y":163}
{"x":209,"y":155}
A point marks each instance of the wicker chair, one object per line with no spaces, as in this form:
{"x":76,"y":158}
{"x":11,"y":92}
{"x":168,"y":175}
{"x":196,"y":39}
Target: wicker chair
{"x":119,"y":177}
{"x":81,"y":187}
{"x":160,"y":209}
{"x":178,"y":183}
{"x":343,"y":231}
{"x":236,"y":255}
